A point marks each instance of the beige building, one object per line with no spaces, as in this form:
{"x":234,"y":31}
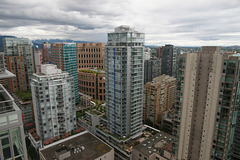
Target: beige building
{"x":90,"y":55}
{"x":92,"y":83}
{"x":159,"y":97}
{"x":204,"y":104}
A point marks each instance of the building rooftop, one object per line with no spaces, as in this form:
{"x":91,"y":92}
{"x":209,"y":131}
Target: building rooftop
{"x":160,"y":141}
{"x":83,"y":146}
{"x":92,"y":70}
{"x":162,"y":79}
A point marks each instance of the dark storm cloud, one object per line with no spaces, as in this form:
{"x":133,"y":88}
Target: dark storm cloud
{"x":168,"y":21}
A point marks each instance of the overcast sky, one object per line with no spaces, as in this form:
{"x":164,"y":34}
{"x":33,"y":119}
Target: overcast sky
{"x":177,"y":22}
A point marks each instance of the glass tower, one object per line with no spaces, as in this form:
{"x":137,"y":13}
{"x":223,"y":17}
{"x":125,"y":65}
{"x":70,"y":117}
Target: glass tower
{"x":124,"y":81}
{"x":12,"y":139}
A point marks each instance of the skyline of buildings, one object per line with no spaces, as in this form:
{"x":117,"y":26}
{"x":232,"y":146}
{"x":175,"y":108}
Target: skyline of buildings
{"x":204,"y":111}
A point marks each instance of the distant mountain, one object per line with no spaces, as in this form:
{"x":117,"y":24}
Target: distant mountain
{"x":40,"y":41}
{"x":1,"y":42}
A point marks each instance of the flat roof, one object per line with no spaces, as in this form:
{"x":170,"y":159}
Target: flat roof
{"x":153,"y":144}
{"x":92,"y":70}
{"x":94,"y":148}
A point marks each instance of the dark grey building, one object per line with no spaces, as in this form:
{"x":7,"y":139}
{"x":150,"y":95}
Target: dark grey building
{"x":152,"y":69}
{"x":165,"y":53}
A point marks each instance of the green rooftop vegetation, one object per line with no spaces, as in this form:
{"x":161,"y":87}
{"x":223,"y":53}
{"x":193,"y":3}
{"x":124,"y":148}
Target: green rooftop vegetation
{"x":99,"y":71}
{"x":24,"y":95}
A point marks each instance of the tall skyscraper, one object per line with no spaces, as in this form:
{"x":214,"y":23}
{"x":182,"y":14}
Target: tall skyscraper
{"x":206,"y":98}
{"x":124,"y":81}
{"x":90,"y":55}
{"x":19,"y":61}
{"x":159,"y":97}
{"x":65,"y":57}
{"x":53,"y":101}
{"x":152,"y":69}
{"x":165,"y":53}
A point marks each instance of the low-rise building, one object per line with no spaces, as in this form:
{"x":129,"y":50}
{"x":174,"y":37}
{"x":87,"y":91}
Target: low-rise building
{"x":92,"y":83}
{"x":157,"y":147}
{"x":23,"y":99}
{"x":81,"y":146}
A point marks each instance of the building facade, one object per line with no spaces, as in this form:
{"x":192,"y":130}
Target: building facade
{"x":176,"y":53}
{"x":46,"y":52}
{"x":27,"y":110}
{"x":205,"y":102}
{"x":12,"y":138}
{"x":65,"y":57}
{"x":124,"y":81}
{"x":152,"y":69}
{"x":19,"y":61}
{"x":90,"y":55}
{"x":92,"y":83}
{"x":159,"y":97}
{"x":165,"y":53}
{"x":53,"y":101}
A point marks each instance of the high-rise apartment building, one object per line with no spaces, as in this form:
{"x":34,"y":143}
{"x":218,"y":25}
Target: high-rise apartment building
{"x":46,"y":50}
{"x":159,"y":97}
{"x":64,"y":56}
{"x":152,"y":69}
{"x":207,"y":95}
{"x":90,"y":55}
{"x":19,"y":61}
{"x":165,"y":53}
{"x":12,"y":138}
{"x":53,"y":101}
{"x":124,"y":81}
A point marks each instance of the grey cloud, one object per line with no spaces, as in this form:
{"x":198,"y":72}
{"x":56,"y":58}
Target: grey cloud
{"x":171,"y":21}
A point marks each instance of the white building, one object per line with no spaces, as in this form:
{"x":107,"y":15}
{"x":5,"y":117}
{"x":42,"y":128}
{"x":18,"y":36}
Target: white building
{"x":124,"y":81}
{"x":12,"y":140}
{"x":53,"y":101}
